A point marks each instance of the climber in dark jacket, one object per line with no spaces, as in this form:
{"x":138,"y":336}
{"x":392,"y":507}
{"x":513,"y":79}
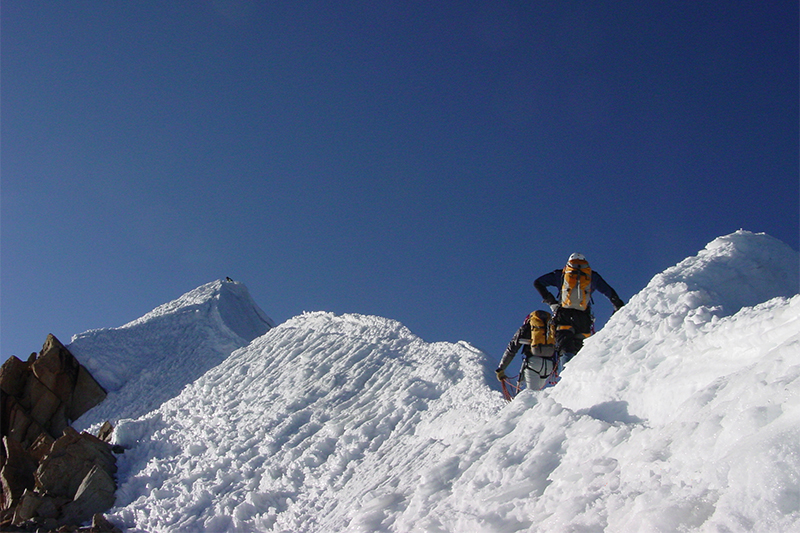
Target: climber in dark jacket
{"x":572,"y":311}
{"x":536,"y":340}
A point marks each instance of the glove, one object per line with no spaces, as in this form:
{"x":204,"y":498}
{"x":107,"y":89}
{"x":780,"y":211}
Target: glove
{"x":501,"y":375}
{"x":617,"y":303}
{"x":554,"y":307}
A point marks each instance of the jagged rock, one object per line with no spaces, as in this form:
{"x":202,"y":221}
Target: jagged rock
{"x":49,"y":392}
{"x":6,"y":516}
{"x":59,"y":421}
{"x":101,"y":525}
{"x":51,"y":476}
{"x":44,"y":403}
{"x":16,"y":421}
{"x":50,"y":507}
{"x":106,"y":432}
{"x":95,"y":494}
{"x":13,"y":375}
{"x":87,"y":394}
{"x":17,"y":473}
{"x":41,"y":447}
{"x":33,"y":432}
{"x":26,"y":508}
{"x":56,"y":368}
{"x":71,"y":458}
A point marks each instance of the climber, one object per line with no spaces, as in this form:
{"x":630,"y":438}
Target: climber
{"x":572,"y":311}
{"x":535,"y":336}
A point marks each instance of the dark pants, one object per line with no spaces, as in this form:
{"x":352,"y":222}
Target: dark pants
{"x":572,"y":327}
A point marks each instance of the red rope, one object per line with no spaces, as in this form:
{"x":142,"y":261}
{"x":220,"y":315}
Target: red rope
{"x":505,"y":384}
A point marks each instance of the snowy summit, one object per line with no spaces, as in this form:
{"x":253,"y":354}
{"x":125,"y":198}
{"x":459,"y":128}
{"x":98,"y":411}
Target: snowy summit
{"x":682,"y":414}
{"x":148,"y":361}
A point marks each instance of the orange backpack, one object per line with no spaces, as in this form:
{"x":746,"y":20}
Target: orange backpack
{"x":576,"y":288}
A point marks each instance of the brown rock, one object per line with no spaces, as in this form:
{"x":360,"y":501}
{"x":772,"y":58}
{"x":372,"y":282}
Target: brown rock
{"x":86,"y":394}
{"x":94,"y":495}
{"x":34,"y":430}
{"x":13,"y":374}
{"x":106,"y":432}
{"x":51,"y":476}
{"x":59,"y":421}
{"x":41,"y":447}
{"x":56,"y":368}
{"x":17,"y":474}
{"x":55,"y":473}
{"x":100,"y":524}
{"x":26,"y":508}
{"x":15,"y":418}
{"x":50,"y":507}
{"x":6,"y":516}
{"x":71,"y":458}
{"x":17,"y":423}
{"x":44,"y":403}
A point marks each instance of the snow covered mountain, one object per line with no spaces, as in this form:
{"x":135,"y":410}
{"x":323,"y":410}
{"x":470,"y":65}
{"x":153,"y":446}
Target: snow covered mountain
{"x":682,"y":414}
{"x":148,"y":361}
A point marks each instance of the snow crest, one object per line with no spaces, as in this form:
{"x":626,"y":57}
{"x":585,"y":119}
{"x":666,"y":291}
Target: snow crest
{"x":149,"y":360}
{"x":683,"y":330}
{"x":742,"y":269}
{"x":323,"y":421}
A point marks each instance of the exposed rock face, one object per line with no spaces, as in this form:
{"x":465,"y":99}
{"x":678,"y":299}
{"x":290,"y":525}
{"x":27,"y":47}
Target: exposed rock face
{"x":50,"y":474}
{"x":17,"y":472}
{"x":45,"y":394}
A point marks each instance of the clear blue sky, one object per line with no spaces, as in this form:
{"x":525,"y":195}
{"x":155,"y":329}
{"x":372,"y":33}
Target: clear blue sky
{"x":422,"y":161}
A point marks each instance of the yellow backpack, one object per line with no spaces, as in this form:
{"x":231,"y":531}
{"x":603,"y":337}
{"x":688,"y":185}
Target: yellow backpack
{"x":576,"y":288}
{"x":541,"y":329}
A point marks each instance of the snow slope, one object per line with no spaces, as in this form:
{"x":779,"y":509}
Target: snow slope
{"x":672,"y":340}
{"x":682,"y":414}
{"x":319,"y":413}
{"x":148,"y":361}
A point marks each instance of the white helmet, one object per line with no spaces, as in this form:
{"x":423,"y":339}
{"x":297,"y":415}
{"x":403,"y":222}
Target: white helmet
{"x":577,"y":257}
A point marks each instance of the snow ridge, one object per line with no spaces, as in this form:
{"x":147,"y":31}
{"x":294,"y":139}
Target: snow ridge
{"x":742,"y":269}
{"x":664,"y":332}
{"x":303,"y":426}
{"x":149,"y":360}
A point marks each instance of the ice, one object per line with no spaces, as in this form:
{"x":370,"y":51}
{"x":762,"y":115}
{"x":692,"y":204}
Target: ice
{"x":682,"y":414}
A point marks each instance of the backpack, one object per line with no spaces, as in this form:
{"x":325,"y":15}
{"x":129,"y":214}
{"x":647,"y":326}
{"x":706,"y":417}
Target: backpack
{"x":541,"y":329}
{"x":576,"y":287}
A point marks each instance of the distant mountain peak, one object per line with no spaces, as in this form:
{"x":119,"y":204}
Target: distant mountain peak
{"x":230,"y":299}
{"x":159,"y":353}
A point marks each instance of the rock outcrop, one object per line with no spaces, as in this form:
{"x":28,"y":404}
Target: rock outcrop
{"x":46,"y":393}
{"x":51,"y":475}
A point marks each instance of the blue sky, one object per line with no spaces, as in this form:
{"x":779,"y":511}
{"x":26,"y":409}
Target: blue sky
{"x":419,"y":162}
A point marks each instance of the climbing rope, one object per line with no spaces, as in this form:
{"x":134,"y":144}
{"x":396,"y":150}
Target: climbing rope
{"x":510,"y":389}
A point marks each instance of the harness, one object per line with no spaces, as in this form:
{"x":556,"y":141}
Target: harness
{"x":542,"y":370}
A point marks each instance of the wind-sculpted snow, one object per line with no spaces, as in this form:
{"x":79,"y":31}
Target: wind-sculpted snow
{"x":148,"y":361}
{"x":727,"y":458}
{"x":683,"y":414}
{"x":322,"y":421}
{"x":682,"y":331}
